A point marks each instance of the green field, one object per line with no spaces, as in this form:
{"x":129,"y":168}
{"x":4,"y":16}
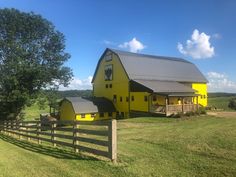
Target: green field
{"x":198,"y":146}
{"x":220,"y":103}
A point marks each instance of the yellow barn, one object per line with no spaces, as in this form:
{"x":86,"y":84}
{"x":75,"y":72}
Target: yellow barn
{"x":151,"y":84}
{"x":86,"y":109}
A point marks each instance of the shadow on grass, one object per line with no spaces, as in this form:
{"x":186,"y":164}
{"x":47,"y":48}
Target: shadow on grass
{"x":46,"y":150}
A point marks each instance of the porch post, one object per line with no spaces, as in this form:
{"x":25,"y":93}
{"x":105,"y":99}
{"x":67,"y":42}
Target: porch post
{"x":197,"y":104}
{"x":182,"y":101}
{"x":167,"y":101}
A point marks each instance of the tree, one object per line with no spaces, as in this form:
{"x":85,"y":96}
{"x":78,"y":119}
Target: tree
{"x":31,"y":58}
{"x":232,"y":103}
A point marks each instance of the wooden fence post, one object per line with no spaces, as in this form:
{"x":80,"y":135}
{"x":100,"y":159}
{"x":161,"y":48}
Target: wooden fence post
{"x":18,"y":127}
{"x":112,"y":139}
{"x":27,"y":129}
{"x":53,"y":131}
{"x":8,"y":127}
{"x":5,"y":126}
{"x":19,"y":130}
{"x":38,"y":131}
{"x":75,"y":136}
{"x":14,"y":127}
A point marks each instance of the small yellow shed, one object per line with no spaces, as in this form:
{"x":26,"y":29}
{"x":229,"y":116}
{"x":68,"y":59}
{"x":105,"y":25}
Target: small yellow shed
{"x":86,"y":109}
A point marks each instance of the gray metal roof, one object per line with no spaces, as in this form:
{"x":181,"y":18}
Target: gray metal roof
{"x":149,"y":67}
{"x":90,"y":105}
{"x":165,"y":87}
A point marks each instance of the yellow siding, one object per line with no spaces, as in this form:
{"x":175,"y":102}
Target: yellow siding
{"x":160,"y":100}
{"x":88,"y":117}
{"x":66,"y":111}
{"x":139,"y":104}
{"x":120,"y":84}
{"x":202,"y":91}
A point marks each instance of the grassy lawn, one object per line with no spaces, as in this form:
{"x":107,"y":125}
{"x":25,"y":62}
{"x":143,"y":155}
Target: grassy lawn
{"x":200,"y":146}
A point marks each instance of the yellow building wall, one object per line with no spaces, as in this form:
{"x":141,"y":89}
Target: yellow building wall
{"x":161,"y":100}
{"x":66,"y":111}
{"x":120,"y":84}
{"x":139,"y":104}
{"x":202,"y":91}
{"x":88,"y":117}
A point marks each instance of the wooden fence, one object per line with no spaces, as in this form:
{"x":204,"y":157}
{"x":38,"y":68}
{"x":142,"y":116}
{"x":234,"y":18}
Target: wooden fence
{"x":99,"y":137}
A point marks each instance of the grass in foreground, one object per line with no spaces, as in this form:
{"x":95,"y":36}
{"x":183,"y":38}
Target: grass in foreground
{"x":200,"y":146}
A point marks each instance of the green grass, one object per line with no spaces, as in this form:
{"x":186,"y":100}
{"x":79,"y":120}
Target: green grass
{"x":198,"y":146}
{"x":220,"y":103}
{"x":33,"y":112}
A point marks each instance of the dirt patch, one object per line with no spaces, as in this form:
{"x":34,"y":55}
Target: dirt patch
{"x":223,"y":114}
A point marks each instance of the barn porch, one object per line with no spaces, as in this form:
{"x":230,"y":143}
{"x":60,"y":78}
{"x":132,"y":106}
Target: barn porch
{"x":173,"y":103}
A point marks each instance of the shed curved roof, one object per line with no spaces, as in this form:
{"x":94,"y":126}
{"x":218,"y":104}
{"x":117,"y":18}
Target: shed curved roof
{"x":90,"y":105}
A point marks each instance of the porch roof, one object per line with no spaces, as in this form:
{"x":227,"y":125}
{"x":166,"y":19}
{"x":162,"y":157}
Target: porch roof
{"x":183,"y":95}
{"x":166,"y":87}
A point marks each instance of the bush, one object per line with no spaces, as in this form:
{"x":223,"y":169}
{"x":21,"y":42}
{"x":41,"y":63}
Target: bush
{"x":201,"y":110}
{"x":188,"y":114}
{"x":232,"y":103}
{"x":177,"y":115}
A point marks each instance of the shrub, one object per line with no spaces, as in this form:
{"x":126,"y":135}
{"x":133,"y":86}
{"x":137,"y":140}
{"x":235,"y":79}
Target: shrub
{"x":232,"y":103}
{"x":177,"y":115}
{"x":201,"y":110}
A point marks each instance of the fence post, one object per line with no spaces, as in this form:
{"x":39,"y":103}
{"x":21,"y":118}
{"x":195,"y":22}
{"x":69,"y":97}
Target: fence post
{"x":17,"y":128}
{"x":14,"y":127}
{"x":75,"y":135}
{"x":20,"y":125}
{"x":8,"y":127}
{"x":27,"y":129}
{"x":112,"y":139}
{"x":38,"y":131}
{"x":53,"y":131}
{"x":5,"y":126}
{"x":2,"y":126}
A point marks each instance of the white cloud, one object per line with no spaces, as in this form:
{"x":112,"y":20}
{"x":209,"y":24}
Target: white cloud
{"x":78,"y":84}
{"x":217,"y":36}
{"x":198,"y":46}
{"x":219,"y":82}
{"x":107,"y":42}
{"x":134,"y":45}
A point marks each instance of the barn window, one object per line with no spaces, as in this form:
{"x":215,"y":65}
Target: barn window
{"x":110,"y":85}
{"x":108,"y":57}
{"x":132,"y":98}
{"x":82,"y":115}
{"x":101,"y":114}
{"x":145,"y":98}
{"x":109,"y":114}
{"x":114,"y":98}
{"x":93,"y":115}
{"x":106,"y":85}
{"x":121,"y":99}
{"x":127,"y":99}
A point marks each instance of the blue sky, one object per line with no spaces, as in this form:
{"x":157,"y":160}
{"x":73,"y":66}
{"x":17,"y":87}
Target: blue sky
{"x":151,"y":27}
